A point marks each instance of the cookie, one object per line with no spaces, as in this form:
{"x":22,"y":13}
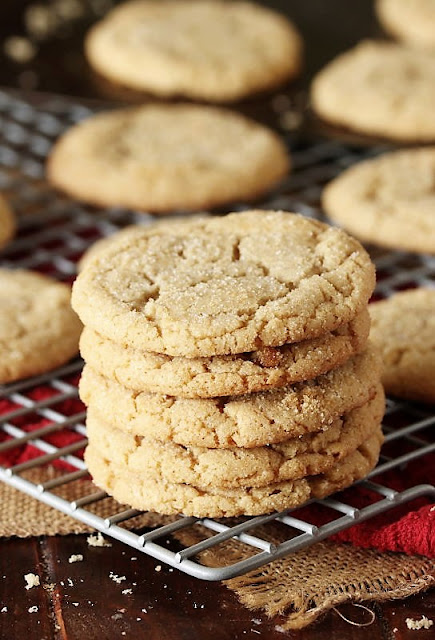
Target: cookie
{"x":38,"y":329}
{"x":156,"y":226}
{"x":7,"y":223}
{"x":207,"y":49}
{"x":403,"y":328}
{"x":412,"y":21}
{"x":268,"y":368}
{"x":167,"y":157}
{"x":252,"y":420}
{"x":388,"y":200}
{"x":379,"y":88}
{"x":292,"y":459}
{"x":142,"y":492}
{"x":229,"y":285}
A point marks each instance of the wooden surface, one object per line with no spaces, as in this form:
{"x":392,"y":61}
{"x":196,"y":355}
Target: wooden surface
{"x":79,"y":601}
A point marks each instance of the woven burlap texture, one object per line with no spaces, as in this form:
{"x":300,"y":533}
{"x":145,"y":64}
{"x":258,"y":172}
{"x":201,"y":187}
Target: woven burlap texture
{"x":302,"y":586}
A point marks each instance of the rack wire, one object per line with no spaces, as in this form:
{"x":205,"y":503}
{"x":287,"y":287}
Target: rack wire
{"x":54,"y":232}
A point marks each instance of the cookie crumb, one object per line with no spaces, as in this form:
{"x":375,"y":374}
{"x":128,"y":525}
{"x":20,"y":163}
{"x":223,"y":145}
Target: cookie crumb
{"x":115,"y":578}
{"x":76,"y":557}
{"x":144,"y":611}
{"x":32,"y":580}
{"x":33,"y":609}
{"x":158,"y":568}
{"x":4,"y":610}
{"x":98,"y":541}
{"x":75,"y":604}
{"x":116,"y":616}
{"x":126,"y":592}
{"x":416,"y":625}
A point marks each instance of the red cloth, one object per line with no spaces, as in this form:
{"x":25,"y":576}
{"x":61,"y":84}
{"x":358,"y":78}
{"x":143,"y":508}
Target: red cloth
{"x":409,"y":528}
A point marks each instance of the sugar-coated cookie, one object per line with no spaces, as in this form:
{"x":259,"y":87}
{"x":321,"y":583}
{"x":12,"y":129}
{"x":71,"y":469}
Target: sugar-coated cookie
{"x":268,"y":368}
{"x":167,"y":157}
{"x":403,"y":329}
{"x":292,"y":459}
{"x":38,"y":329}
{"x":142,"y":492}
{"x":381,"y":89}
{"x":229,"y":285}
{"x":252,"y":420}
{"x":206,"y":49}
{"x":388,"y":200}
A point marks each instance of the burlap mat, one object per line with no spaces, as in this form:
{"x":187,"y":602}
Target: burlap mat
{"x":302,"y":585}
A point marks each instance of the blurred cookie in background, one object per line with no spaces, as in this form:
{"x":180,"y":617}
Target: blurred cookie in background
{"x":167,"y":157}
{"x":403,"y":328}
{"x":412,"y":21}
{"x":38,"y":329}
{"x":388,"y":200}
{"x":203,"y":49}
{"x":380,"y":89}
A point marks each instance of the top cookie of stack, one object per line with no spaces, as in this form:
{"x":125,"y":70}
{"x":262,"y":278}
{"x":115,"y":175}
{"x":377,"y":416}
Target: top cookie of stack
{"x":265,"y":304}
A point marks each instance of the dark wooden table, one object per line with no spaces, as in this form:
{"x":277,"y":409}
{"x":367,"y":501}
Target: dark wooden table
{"x":79,"y":601}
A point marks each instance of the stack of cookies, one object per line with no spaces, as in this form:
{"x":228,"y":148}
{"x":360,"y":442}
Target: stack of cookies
{"x":228,"y":370}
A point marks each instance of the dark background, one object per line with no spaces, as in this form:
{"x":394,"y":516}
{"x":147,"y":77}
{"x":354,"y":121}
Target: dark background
{"x":328,"y":27}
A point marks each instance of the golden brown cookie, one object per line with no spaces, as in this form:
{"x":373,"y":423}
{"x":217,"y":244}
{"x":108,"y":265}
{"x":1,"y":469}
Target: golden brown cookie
{"x":38,"y":329}
{"x":292,"y":459}
{"x":412,"y":21}
{"x":388,"y":200}
{"x":252,"y":420}
{"x":268,"y":368}
{"x":167,"y":157}
{"x":206,"y":49}
{"x":381,"y":89}
{"x":7,"y":223}
{"x":230,"y":285}
{"x":403,"y":328}
{"x":158,"y":225}
{"x":142,"y":492}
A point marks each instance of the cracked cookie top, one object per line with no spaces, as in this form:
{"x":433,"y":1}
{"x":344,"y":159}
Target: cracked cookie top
{"x":225,"y":285}
{"x":403,"y":329}
{"x":38,"y":329}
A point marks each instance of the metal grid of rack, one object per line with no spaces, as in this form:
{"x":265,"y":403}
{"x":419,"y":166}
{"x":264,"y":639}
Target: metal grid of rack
{"x":54,"y":232}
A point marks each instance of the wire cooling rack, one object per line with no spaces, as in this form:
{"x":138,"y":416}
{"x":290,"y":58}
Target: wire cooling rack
{"x":53,"y":233}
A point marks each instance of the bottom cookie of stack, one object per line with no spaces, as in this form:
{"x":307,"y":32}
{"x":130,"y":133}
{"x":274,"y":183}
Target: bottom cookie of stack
{"x":228,"y":482}
{"x":145,"y":493}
